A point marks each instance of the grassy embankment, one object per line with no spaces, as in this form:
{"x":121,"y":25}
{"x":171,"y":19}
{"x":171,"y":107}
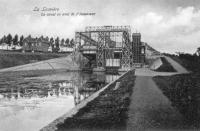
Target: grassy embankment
{"x":166,"y":66}
{"x":106,"y":112}
{"x":10,"y":59}
{"x":184,"y":90}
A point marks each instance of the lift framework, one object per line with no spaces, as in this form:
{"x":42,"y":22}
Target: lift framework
{"x":103,"y":41}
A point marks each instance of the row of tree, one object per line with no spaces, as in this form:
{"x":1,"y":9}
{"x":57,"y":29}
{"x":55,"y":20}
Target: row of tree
{"x":57,"y":42}
{"x":12,"y":40}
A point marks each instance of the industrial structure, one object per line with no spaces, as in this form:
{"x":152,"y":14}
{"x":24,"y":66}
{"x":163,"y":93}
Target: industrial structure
{"x":110,"y":47}
{"x":138,"y":50}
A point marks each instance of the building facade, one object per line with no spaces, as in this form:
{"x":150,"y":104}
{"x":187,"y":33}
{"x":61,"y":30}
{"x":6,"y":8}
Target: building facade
{"x":36,"y":44}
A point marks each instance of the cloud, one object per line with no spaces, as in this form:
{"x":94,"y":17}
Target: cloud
{"x":164,"y":25}
{"x":178,"y":32}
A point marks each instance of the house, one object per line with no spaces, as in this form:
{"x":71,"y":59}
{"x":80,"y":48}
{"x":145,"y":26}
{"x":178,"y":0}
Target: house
{"x":36,"y":44}
{"x":66,"y":49}
{"x":5,"y":46}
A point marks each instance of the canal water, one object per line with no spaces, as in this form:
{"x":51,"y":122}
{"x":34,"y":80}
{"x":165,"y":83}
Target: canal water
{"x":30,"y":102}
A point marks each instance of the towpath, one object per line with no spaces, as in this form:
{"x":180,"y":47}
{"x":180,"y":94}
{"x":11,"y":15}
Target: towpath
{"x":150,"y":109}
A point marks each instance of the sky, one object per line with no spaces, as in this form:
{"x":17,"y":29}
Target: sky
{"x":167,"y":25}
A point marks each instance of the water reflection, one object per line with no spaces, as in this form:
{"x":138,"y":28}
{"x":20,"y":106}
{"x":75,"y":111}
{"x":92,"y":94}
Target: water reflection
{"x":30,"y":104}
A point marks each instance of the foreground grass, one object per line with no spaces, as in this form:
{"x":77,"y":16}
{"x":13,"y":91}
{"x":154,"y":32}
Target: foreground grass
{"x":166,"y":66}
{"x":184,"y":89}
{"x":184,"y":92}
{"x":10,"y":59}
{"x":106,"y":112}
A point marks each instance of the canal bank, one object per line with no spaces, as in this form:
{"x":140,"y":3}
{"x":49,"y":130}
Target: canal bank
{"x":106,"y":109}
{"x":70,"y":62}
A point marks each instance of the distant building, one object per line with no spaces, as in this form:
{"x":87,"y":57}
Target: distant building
{"x":36,"y":44}
{"x":66,"y":49}
{"x":5,"y":46}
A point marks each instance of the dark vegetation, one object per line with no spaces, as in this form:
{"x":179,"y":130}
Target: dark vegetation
{"x":106,"y":112}
{"x":54,"y":42}
{"x":10,"y":59}
{"x":166,"y":66}
{"x":184,"y":89}
{"x":190,"y":62}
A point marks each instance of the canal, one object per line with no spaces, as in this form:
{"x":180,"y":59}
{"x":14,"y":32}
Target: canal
{"x":30,"y":101}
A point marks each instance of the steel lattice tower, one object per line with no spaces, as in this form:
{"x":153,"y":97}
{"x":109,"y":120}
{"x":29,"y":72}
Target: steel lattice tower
{"x":107,"y":39}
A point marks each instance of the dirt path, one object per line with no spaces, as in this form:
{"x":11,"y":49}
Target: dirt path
{"x":177,"y":66}
{"x":149,"y":108}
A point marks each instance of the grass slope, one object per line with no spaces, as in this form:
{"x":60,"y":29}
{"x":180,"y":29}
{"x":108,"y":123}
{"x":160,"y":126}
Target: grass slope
{"x":106,"y":112}
{"x":166,"y":66}
{"x":184,"y":92}
{"x":10,"y":59}
{"x":184,"y":89}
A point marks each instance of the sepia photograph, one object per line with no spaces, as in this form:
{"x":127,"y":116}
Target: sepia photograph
{"x":100,"y":65}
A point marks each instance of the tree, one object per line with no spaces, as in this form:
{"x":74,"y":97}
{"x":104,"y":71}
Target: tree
{"x":9,"y":39}
{"x":4,"y":39}
{"x":57,"y":44}
{"x":67,"y":42}
{"x":42,"y":37}
{"x":62,"y":42}
{"x":29,"y":36}
{"x":15,"y":40}
{"x":21,"y":39}
{"x":47,"y":38}
{"x":72,"y":43}
{"x":1,"y":41}
{"x":198,"y":51}
{"x":51,"y":42}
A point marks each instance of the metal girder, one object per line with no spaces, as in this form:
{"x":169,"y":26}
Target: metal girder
{"x":103,"y":48}
{"x":86,"y":37}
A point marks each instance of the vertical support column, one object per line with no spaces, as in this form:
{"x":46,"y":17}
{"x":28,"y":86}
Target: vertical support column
{"x":109,"y":53}
{"x":126,"y":51}
{"x":78,"y":43}
{"x":137,"y":47}
{"x":100,"y":50}
{"x":78,"y":39}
